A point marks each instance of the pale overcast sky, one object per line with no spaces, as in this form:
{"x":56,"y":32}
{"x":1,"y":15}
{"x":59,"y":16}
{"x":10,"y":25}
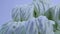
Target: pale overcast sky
{"x":7,"y":5}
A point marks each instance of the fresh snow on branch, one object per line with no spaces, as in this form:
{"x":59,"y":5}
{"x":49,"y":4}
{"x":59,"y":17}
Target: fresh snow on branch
{"x":35,"y":18}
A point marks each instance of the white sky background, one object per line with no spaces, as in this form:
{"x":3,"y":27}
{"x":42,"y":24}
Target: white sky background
{"x":6,"y":7}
